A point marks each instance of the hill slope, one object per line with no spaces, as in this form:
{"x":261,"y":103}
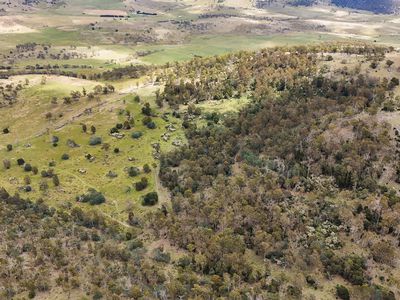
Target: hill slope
{"x":382,"y":6}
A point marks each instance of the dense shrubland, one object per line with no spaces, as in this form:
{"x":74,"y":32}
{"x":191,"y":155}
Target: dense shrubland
{"x":72,"y":250}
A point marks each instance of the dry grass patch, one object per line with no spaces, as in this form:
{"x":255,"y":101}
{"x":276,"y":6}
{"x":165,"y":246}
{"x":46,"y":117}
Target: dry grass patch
{"x":99,"y":12}
{"x":11,"y":24}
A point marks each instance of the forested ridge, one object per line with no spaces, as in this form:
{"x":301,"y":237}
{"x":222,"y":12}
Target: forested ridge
{"x":283,"y":200}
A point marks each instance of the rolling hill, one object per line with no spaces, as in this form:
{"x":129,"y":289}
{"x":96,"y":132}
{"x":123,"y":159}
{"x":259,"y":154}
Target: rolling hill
{"x":383,"y":6}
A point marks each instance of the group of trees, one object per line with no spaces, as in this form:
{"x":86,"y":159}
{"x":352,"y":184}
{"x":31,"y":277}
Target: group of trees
{"x":9,"y":94}
{"x":97,"y":91}
{"x":33,"y":171}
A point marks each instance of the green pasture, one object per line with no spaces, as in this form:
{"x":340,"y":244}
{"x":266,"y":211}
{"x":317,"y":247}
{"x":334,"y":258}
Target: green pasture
{"x":39,"y":151}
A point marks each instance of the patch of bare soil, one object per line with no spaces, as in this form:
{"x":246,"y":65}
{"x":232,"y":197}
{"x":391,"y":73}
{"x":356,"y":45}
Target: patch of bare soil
{"x":11,"y":24}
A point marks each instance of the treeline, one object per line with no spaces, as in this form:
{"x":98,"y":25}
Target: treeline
{"x":75,"y":71}
{"x":132,"y":71}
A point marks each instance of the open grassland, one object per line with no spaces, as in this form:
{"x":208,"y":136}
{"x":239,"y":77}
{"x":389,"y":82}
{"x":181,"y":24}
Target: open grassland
{"x":31,"y":136}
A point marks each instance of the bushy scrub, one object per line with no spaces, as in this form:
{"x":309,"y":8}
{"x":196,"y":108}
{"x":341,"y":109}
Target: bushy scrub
{"x":92,"y":197}
{"x":136,"y":134}
{"x":95,"y":140}
{"x":150,"y":199}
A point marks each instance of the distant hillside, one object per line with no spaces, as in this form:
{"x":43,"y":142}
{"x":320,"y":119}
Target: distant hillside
{"x":381,"y":6}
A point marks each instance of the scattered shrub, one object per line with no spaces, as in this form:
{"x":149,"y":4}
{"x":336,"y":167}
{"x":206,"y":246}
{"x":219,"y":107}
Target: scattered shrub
{"x":135,"y":244}
{"x":27,"y":168}
{"x":342,"y":292}
{"x":137,"y":134}
{"x":311,"y":281}
{"x":114,"y":130}
{"x":150,"y":199}
{"x":184,"y":261}
{"x":27,"y":180}
{"x":54,"y":139}
{"x":294,"y":292}
{"x":133,"y":171}
{"x":146,"y":120}
{"x":146,"y":110}
{"x":92,"y":197}
{"x":43,"y":185}
{"x":142,"y":184}
{"x":161,"y":256}
{"x":6,"y":164}
{"x":56,"y":180}
{"x":47,"y":174}
{"x":374,"y":65}
{"x":146,"y":168}
{"x":65,"y":156}
{"x":127,"y":125}
{"x":394,"y":82}
{"x":95,"y":140}
{"x":151,"y":125}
